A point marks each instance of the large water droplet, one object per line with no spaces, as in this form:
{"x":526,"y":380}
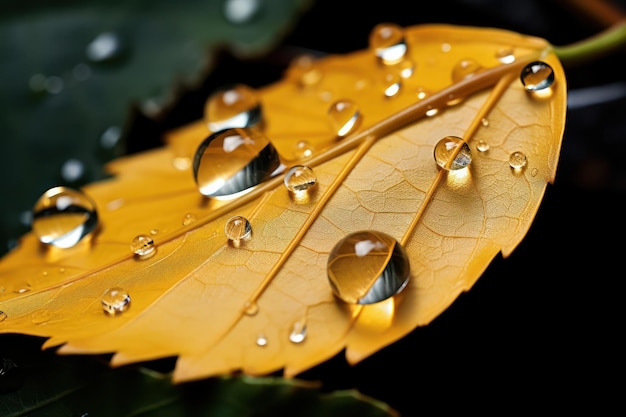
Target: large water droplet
{"x":143,"y":246}
{"x":537,"y":76}
{"x":236,"y":106}
{"x":237,"y":228}
{"x":63,"y":216}
{"x":366,"y":267}
{"x":452,"y":153}
{"x":106,"y":46}
{"x":240,"y":11}
{"x":115,"y":300}
{"x":387,"y":42}
{"x":298,"y":332}
{"x":517,"y":160}
{"x":232,"y":161}
{"x":344,"y":117}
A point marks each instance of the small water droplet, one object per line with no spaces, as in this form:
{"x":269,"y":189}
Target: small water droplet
{"x":431,"y":111}
{"x":367,"y":266}
{"x":452,"y":153}
{"x":404,"y":68}
{"x":72,"y":170}
{"x":534,"y":172}
{"x":40,"y":317}
{"x":303,"y":150}
{"x":484,"y":122}
{"x":233,"y":161}
{"x":482,"y":146}
{"x":303,"y":69}
{"x":505,"y":55}
{"x":298,"y":332}
{"x":464,"y":69}
{"x":111,"y":137}
{"x":143,"y":246}
{"x":64,"y":216}
{"x":261,"y":340}
{"x":22,"y":288}
{"x":422,"y":93}
{"x":106,"y":46}
{"x":537,"y":76}
{"x":3,"y":316}
{"x":189,"y":218}
{"x":391,"y":84}
{"x":235,"y":106}
{"x":237,"y":228}
{"x":115,"y":300}
{"x":344,"y":117}
{"x":517,"y":160}
{"x":240,"y":11}
{"x":387,"y":42}
{"x":251,"y":308}
{"x":300,"y":178}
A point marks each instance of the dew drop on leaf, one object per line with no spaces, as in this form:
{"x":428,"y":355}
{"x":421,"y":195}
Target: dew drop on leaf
{"x":115,"y":300}
{"x":63,"y":216}
{"x":344,"y":117}
{"x":387,"y":42}
{"x":391,"y":84}
{"x":261,"y":340}
{"x":229,"y":107}
{"x":537,"y":76}
{"x":143,"y":246}
{"x":298,"y":332}
{"x":482,"y":146}
{"x":251,"y":308}
{"x":452,"y":153}
{"x":367,"y":267}
{"x":234,"y":160}
{"x":40,"y":317}
{"x":303,"y":69}
{"x":505,"y":55}
{"x":300,"y":178}
{"x":188,"y":219}
{"x":517,"y":160}
{"x":465,"y":69}
{"x":238,"y":228}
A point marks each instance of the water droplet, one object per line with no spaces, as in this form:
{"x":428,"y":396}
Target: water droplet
{"x":111,"y":137}
{"x":63,"y":216}
{"x":261,"y":340}
{"x":303,"y":151}
{"x":422,"y":93}
{"x":154,"y":232}
{"x":484,"y":122}
{"x":344,"y":117}
{"x":404,"y":68}
{"x":232,"y":161}
{"x":517,"y":160}
{"x":240,"y":11}
{"x":452,"y":153}
{"x":482,"y":146}
{"x":431,"y":111}
{"x":534,"y":172}
{"x":107,"y":46}
{"x":465,"y":69}
{"x":40,"y":317}
{"x":189,"y":218}
{"x":143,"y":246}
{"x":236,"y":106}
{"x":22,"y":288}
{"x":300,"y":178}
{"x":304,"y":71}
{"x":505,"y":55}
{"x":367,"y":266}
{"x":115,"y":300}
{"x":237,"y":228}
{"x":3,"y":316}
{"x":251,"y":308}
{"x":298,"y":332}
{"x":72,"y":170}
{"x":391,"y":83}
{"x":537,"y":76}
{"x":387,"y":42}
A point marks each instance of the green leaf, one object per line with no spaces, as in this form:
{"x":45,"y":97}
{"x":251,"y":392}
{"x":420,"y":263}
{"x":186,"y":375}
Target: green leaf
{"x":66,"y":106}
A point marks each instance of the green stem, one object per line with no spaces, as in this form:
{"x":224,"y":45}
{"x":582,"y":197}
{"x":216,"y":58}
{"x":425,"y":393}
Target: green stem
{"x":603,"y":43}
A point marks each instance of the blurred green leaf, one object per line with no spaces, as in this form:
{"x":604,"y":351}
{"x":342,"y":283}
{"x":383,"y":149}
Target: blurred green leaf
{"x":40,"y":383}
{"x":73,"y":71}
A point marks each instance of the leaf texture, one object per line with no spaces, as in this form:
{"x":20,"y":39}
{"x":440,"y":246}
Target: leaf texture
{"x":193,"y":298}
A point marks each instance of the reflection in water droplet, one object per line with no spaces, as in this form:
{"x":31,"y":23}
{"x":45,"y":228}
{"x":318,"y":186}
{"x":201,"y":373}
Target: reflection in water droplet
{"x":251,"y":308}
{"x":232,"y":161}
{"x":105,"y":47}
{"x":72,"y":170}
{"x":300,"y":178}
{"x":115,"y":300}
{"x":387,"y":42}
{"x":188,"y":219}
{"x":482,"y":146}
{"x":143,"y":246}
{"x":236,"y":106}
{"x":366,"y":267}
{"x":298,"y":332}
{"x":344,"y":117}
{"x":3,"y":316}
{"x":240,"y":11}
{"x":237,"y":228}
{"x":537,"y":76}
{"x":391,"y":84}
{"x":452,"y":153}
{"x":517,"y":160}
{"x":63,"y":216}
{"x":465,"y":69}
{"x":40,"y":317}
{"x":505,"y":55}
{"x":261,"y":340}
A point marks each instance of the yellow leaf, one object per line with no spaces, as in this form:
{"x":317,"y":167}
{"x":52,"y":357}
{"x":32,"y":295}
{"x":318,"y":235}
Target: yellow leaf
{"x":264,"y":302}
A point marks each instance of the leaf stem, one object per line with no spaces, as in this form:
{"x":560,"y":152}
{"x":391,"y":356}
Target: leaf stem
{"x":603,"y":43}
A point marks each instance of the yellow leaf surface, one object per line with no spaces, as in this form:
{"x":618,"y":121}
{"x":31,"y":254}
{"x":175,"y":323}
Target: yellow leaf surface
{"x":221,"y":306}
